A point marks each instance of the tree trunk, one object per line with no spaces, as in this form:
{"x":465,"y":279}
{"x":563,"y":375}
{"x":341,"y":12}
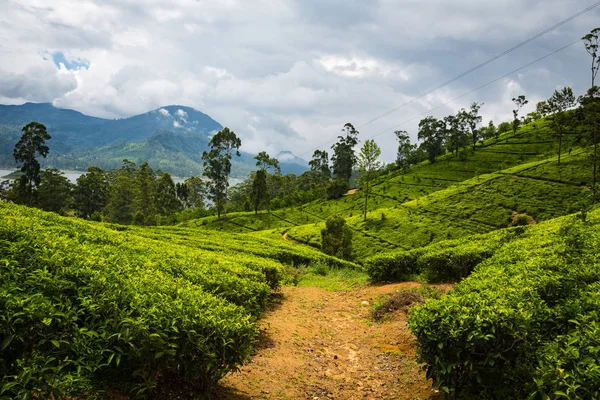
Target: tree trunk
{"x":366,"y":200}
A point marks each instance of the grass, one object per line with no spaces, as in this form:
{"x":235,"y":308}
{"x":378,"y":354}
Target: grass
{"x":333,"y":279}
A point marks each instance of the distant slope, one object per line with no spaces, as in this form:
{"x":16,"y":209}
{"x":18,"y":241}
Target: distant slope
{"x":170,"y":138}
{"x":445,"y":200}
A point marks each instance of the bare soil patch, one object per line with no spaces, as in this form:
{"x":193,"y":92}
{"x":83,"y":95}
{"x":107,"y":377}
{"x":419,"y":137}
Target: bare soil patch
{"x":318,"y":344}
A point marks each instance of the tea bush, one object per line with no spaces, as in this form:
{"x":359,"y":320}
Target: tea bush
{"x":522,"y":324}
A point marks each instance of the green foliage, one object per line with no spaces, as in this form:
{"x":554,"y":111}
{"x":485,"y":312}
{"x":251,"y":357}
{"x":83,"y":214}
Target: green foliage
{"x":54,"y":192}
{"x":217,"y":165}
{"x":493,"y":335}
{"x":504,"y":127}
{"x":32,"y":141}
{"x":433,"y":133}
{"x":91,"y":192}
{"x":337,"y":188}
{"x":343,"y":157}
{"x":337,"y":238}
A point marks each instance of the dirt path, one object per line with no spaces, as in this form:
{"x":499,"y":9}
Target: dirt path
{"x":317,"y":344}
{"x":351,"y":192}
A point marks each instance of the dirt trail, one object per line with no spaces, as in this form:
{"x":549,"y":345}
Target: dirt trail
{"x":317,"y":344}
{"x":351,"y":192}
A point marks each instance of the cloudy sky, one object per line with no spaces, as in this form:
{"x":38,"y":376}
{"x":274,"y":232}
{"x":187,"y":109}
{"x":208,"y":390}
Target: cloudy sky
{"x":287,"y":74}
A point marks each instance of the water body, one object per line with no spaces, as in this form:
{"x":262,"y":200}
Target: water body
{"x":73,"y":175}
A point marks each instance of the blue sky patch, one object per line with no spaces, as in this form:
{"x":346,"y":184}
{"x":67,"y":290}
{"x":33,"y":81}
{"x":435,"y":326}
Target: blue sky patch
{"x":59,"y":57}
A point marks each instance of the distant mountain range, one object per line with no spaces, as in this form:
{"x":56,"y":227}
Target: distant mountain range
{"x":170,"y":138}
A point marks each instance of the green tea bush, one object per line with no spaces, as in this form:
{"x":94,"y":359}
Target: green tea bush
{"x":81,"y":304}
{"x":523,"y":323}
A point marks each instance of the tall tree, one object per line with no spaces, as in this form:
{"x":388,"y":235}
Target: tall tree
{"x":591,"y":111}
{"x":559,"y":103}
{"x":432,"y":133}
{"x":343,"y":157}
{"x":91,"y":192}
{"x":368,"y":165}
{"x":472,"y":119}
{"x":32,"y":141}
{"x":520,"y":103}
{"x":145,"y":209}
{"x":319,"y":164}
{"x":260,"y":191}
{"x":455,"y":134}
{"x":54,"y":192}
{"x":405,"y":150}
{"x":217,"y":166}
{"x":260,"y":188}
{"x":165,"y":199}
{"x":122,"y":194}
{"x":591,"y":42}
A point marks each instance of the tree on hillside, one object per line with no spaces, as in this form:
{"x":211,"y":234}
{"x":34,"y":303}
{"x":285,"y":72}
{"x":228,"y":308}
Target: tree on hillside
{"x":559,"y":103}
{"x":343,"y":157}
{"x":122,"y":194}
{"x":455,"y":134}
{"x":368,"y":165}
{"x":32,"y":141}
{"x":165,"y":199}
{"x":520,"y":103}
{"x":145,"y":209}
{"x":591,"y":111}
{"x":54,"y":192}
{"x":260,"y":187}
{"x":490,"y":131}
{"x":336,"y":238}
{"x":543,"y":109}
{"x":91,"y":192}
{"x":405,"y":151}
{"x":591,"y":42}
{"x":217,"y":166}
{"x":319,"y":165}
{"x":432,"y":133}
{"x":472,"y":119}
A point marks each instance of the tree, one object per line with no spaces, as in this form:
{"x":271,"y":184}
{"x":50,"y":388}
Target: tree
{"x":259,"y":189}
{"x":591,"y":41}
{"x":542,"y":108}
{"x":91,"y":192}
{"x":336,"y":238}
{"x":319,"y":164}
{"x":559,"y":103}
{"x":54,"y":192}
{"x":217,"y":166}
{"x":145,"y":209}
{"x":197,"y":192}
{"x":32,"y":141}
{"x":344,"y":158}
{"x":591,"y":110}
{"x":432,"y":133}
{"x":368,"y":164}
{"x":122,"y":194}
{"x":405,"y":151}
{"x":472,"y":119}
{"x":455,"y":135}
{"x":165,"y":199}
{"x":490,"y":131}
{"x":519,"y":102}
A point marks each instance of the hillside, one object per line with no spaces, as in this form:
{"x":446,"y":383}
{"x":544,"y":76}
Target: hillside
{"x":171,"y":138}
{"x":449,"y":199}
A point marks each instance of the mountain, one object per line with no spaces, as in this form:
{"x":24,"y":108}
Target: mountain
{"x":170,"y":138}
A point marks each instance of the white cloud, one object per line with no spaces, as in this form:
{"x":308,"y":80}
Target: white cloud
{"x":164,"y":112}
{"x":287,"y":75}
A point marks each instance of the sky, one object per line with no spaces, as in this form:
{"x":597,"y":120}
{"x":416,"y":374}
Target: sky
{"x":288,"y":74}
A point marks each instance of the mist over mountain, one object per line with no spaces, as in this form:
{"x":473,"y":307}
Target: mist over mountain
{"x":170,"y":138}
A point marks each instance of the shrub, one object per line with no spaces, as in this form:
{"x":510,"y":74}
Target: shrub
{"x":337,"y":189}
{"x":336,"y":238}
{"x":484,"y":339}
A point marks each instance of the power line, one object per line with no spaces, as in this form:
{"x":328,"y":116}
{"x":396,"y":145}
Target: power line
{"x":479,"y":66}
{"x":483,"y":64}
{"x":479,"y":87}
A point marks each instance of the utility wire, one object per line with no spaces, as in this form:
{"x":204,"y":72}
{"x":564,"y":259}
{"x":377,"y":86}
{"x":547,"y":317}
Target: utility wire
{"x":483,"y":64}
{"x":479,"y":66}
{"x":478,"y":88}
